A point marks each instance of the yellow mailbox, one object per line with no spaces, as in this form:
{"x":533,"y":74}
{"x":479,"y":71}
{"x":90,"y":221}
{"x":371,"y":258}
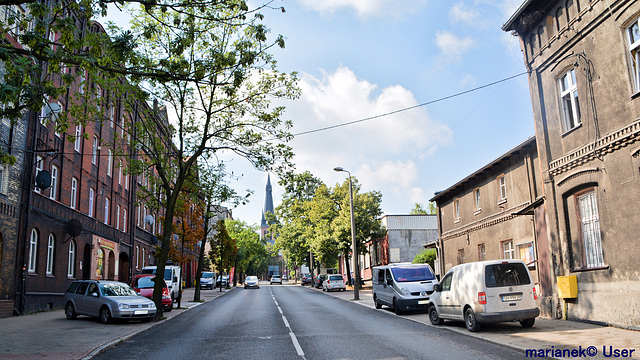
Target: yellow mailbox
{"x":567,"y":287}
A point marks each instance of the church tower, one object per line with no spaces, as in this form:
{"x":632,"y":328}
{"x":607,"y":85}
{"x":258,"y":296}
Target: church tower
{"x":268,"y":208}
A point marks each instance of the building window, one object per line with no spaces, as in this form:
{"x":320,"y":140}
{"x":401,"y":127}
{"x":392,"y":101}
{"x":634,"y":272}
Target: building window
{"x":126,"y":181}
{"x":54,"y":182}
{"x":508,"y":251}
{"x":120,"y":172}
{"x":456,"y":209}
{"x":569,"y":99}
{"x":109,"y":163}
{"x":94,"y":151}
{"x":525,"y":253}
{"x":74,"y":192}
{"x":143,"y":257}
{"x":3,"y":177}
{"x":118,"y":217}
{"x":72,"y":259}
{"x":137,"y":257}
{"x":91,"y":200}
{"x":482,"y":252}
{"x":502,"y":186}
{"x":124,"y":220}
{"x":106,"y":211}
{"x":590,"y":226}
{"x":460,"y":256}
{"x":476,"y":197}
{"x":112,"y":112}
{"x":78,"y":142}
{"x":50,"y":248}
{"x":38,"y":169}
{"x":633,"y":36}
{"x":33,"y":250}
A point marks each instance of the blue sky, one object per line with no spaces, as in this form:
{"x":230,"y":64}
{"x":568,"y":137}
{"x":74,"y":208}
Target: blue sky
{"x":361,"y":58}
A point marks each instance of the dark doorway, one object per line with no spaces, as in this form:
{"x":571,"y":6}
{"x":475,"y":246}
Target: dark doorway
{"x":86,"y":262}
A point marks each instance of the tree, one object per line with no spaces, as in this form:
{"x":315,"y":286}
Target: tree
{"x":223,"y":248}
{"x":426,"y":256}
{"x":252,"y":255}
{"x":419,"y":210}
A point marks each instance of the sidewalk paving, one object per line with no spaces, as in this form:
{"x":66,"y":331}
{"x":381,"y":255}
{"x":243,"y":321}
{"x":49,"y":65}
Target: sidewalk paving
{"x":547,"y":336}
{"x":50,"y":335}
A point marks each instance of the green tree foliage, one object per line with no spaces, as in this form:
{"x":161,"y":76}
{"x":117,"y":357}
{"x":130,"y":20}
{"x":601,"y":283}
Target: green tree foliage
{"x":252,"y":256}
{"x":223,"y":248}
{"x":419,"y":210}
{"x":426,"y":256}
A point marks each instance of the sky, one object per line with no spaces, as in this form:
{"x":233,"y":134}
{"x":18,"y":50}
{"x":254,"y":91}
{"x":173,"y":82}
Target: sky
{"x":359,"y":59}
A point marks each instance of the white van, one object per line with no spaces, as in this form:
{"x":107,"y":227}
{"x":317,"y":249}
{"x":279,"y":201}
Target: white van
{"x":403,"y":286}
{"x":485,"y":292}
{"x":172,"y":277}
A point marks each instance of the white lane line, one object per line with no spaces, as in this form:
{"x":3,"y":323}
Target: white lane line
{"x":294,"y":339}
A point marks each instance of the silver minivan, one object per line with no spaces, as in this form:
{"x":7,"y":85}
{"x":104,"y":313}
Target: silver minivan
{"x":485,"y":292}
{"x":403,"y":286}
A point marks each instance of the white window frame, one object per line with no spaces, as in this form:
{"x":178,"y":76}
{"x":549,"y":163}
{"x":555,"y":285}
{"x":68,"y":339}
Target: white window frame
{"x":50,"y":253}
{"x":570,"y":103}
{"x":106,"y":211}
{"x":502,"y":186}
{"x":124,"y":220}
{"x":109,"y":163}
{"x":78,"y":142}
{"x":120,"y":172}
{"x":33,"y":251}
{"x":508,"y":252}
{"x":39,"y":167}
{"x":118,"y":217}
{"x":456,"y":209}
{"x":94,"y":151}
{"x":143,"y":257}
{"x":137,"y":257}
{"x":74,"y":192}
{"x":634,"y":51}
{"x":476,"y":199}
{"x":72,"y":259}
{"x":92,"y":197}
{"x":590,"y":230}
{"x":53,"y":194}
{"x":3,"y":174}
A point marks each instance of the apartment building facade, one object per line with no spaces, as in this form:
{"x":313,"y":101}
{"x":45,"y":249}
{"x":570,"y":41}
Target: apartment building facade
{"x":584,"y":77}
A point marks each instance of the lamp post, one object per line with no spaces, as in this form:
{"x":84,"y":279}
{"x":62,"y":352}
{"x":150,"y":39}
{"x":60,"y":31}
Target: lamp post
{"x":356,"y":270}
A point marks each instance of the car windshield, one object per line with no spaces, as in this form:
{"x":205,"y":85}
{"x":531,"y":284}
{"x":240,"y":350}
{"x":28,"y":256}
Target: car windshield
{"x":275,"y":277}
{"x":116,"y":290}
{"x":509,"y":274}
{"x":410,"y":274}
{"x":335,"y":277}
{"x":207,"y":275}
{"x":252,"y":278}
{"x":146,"y":282}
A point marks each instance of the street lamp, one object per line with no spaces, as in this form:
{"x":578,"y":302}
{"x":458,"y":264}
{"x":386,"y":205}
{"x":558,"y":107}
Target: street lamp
{"x":356,"y":270}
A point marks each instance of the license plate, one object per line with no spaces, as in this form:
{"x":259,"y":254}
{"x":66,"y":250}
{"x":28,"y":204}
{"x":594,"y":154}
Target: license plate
{"x":423,"y":302}
{"x":141,"y":312}
{"x":511,"y":297}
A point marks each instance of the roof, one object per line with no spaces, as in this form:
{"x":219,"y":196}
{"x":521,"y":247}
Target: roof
{"x":508,"y":26}
{"x":531,"y":140}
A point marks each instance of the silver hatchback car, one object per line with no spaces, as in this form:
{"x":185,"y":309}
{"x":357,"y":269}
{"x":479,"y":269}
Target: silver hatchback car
{"x":106,"y":300}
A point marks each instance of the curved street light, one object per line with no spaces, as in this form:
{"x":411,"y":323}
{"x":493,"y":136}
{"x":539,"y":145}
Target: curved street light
{"x":356,"y":270}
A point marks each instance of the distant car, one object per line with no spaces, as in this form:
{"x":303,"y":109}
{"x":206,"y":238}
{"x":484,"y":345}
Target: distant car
{"x":222,"y":281}
{"x":306,"y":279}
{"x":251,"y":282}
{"x":106,"y":300}
{"x":285,"y":278}
{"x":276,"y":279}
{"x":334,"y":282}
{"x":206,"y":280}
{"x":319,"y":280}
{"x":143,"y":285}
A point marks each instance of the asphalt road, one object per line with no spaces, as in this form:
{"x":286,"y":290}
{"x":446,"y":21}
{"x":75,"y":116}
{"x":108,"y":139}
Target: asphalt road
{"x":292,"y":322}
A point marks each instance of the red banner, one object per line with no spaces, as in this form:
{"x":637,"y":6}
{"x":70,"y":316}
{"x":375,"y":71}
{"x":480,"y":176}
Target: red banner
{"x":231,"y":275}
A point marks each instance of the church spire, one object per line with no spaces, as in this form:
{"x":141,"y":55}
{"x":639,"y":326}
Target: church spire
{"x":268,"y":208}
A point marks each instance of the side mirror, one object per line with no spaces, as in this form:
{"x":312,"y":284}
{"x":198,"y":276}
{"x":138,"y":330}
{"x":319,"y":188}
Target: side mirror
{"x":389,"y":282}
{"x":94,"y":294}
{"x":436,"y":288}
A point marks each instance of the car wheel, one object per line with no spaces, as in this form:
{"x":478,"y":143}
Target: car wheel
{"x":70,"y":311}
{"x":376,"y":303}
{"x":323,"y":289}
{"x":434,"y":317}
{"x":470,"y":321}
{"x":396,"y":308}
{"x":245,"y":286}
{"x":105,"y":315}
{"x":527,"y":323}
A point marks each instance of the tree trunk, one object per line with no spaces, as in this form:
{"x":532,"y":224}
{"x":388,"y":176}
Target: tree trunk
{"x":346,"y":263}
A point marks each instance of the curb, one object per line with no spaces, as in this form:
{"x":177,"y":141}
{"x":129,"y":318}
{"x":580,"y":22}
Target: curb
{"x":113,"y":343}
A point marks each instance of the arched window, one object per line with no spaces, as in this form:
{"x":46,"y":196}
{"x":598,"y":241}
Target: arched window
{"x":572,"y":10}
{"x":533,"y":44}
{"x":33,"y":250}
{"x":541,"y":36}
{"x":50,"y":252}
{"x":550,"y":26}
{"x":72,"y":259}
{"x":561,"y":19}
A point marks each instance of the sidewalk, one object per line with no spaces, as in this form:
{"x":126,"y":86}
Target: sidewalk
{"x":50,"y":335}
{"x":547,"y":336}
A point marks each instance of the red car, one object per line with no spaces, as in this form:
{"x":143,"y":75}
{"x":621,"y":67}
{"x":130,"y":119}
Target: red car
{"x":143,"y":284}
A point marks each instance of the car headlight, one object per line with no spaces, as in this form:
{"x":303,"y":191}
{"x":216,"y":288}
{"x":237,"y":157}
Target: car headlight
{"x":152,"y":305}
{"x":404,"y":291}
{"x":123,"y":306}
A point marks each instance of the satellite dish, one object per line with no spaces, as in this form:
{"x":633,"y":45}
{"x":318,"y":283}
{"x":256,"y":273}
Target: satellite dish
{"x":149,"y":219}
{"x":74,"y":227}
{"x":52,"y":111}
{"x":43,"y":179}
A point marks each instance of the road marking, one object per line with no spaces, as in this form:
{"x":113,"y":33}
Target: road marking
{"x":294,"y":339}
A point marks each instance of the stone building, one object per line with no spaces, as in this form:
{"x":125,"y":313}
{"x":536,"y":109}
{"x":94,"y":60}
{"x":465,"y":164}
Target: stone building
{"x":583,"y":60}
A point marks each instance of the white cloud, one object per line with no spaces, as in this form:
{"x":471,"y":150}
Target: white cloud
{"x":452,"y":46}
{"x":461,"y":13}
{"x":364,"y":8}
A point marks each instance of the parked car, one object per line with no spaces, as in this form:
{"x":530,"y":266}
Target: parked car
{"x":319,"y":280}
{"x":275,"y":279}
{"x":403,"y":286}
{"x":172,"y":275}
{"x":222,"y":281}
{"x":306,"y":279}
{"x":485,"y":292}
{"x":206,"y":280}
{"x":106,"y":300}
{"x":143,"y":284}
{"x":285,"y":278}
{"x":251,"y":282}
{"x":334,"y":282}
